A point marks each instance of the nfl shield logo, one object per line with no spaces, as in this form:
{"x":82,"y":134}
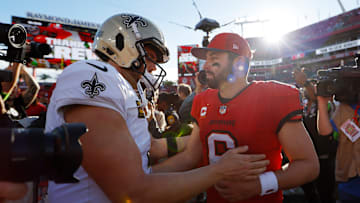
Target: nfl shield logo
{"x":222,"y":109}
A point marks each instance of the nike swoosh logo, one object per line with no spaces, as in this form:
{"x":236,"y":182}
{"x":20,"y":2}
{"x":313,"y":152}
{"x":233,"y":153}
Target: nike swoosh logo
{"x":98,"y":67}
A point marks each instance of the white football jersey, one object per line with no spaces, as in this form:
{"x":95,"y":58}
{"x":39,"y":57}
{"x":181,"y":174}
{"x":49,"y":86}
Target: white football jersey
{"x":99,"y":84}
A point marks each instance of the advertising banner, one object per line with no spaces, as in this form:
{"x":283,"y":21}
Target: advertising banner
{"x":69,"y":42}
{"x":188,"y":65}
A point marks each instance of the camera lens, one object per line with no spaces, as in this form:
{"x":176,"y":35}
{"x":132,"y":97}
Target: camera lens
{"x":28,"y":154}
{"x":17,"y":36}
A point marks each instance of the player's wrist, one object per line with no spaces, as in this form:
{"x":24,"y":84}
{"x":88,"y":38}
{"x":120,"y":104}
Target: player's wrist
{"x":269,"y":183}
{"x":217,"y":170}
{"x":257,"y":187}
{"x":171,"y":146}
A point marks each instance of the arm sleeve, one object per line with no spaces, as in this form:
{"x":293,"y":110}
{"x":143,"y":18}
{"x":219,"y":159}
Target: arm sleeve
{"x":69,"y":90}
{"x":289,"y":106}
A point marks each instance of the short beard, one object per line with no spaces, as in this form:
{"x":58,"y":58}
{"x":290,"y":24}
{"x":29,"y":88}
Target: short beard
{"x":216,"y":82}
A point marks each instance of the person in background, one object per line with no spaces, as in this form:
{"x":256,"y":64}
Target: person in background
{"x":32,"y":87}
{"x":19,"y":99}
{"x":323,"y":188}
{"x":156,"y":118}
{"x":36,"y":108}
{"x":167,"y":104}
{"x":9,"y":190}
{"x":183,"y":91}
{"x":185,"y":108}
{"x":345,"y":122}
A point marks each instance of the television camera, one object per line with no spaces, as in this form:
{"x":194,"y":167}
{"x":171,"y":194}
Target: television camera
{"x":206,"y":25}
{"x":27,"y":154}
{"x":343,"y":82}
{"x":18,"y":49}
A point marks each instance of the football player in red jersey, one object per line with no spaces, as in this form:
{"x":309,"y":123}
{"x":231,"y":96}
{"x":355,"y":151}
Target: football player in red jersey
{"x":263,"y":115}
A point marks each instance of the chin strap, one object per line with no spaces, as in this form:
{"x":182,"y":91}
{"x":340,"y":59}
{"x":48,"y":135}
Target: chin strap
{"x":141,"y":94}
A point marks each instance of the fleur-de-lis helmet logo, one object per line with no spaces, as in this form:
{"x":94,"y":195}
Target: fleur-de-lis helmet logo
{"x":130,"y":19}
{"x":93,"y":87}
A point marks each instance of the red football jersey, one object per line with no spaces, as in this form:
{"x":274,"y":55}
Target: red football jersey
{"x":253,"y":117}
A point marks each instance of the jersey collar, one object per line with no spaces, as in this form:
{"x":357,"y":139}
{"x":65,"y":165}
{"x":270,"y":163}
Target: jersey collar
{"x":226,"y":100}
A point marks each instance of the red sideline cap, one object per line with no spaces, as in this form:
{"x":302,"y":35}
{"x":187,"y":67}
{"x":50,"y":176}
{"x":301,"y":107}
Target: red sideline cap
{"x":229,"y":42}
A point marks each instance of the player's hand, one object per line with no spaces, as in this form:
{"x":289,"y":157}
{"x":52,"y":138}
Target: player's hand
{"x":198,"y":86}
{"x":320,"y":99}
{"x":12,"y":191}
{"x":238,"y":190}
{"x":235,"y":164}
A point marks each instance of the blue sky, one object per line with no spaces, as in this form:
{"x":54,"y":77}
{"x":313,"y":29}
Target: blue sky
{"x":284,"y":15}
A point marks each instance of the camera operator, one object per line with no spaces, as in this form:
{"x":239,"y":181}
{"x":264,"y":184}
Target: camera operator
{"x":6,"y":88}
{"x":33,"y":87}
{"x":343,"y":83}
{"x":17,"y":99}
{"x":28,"y":154}
{"x":323,"y":187}
{"x":347,"y":168}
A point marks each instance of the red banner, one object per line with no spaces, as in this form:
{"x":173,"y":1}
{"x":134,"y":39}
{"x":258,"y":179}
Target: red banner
{"x":188,"y":65}
{"x":69,"y":43}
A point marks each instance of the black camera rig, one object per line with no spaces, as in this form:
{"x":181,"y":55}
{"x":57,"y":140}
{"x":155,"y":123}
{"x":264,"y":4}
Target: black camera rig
{"x":343,"y":82}
{"x":18,"y":50}
{"x":28,"y":154}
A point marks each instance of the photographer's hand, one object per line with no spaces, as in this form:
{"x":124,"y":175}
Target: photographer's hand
{"x":33,"y":87}
{"x":300,"y":77}
{"x":9,"y":86}
{"x":2,"y":106}
{"x":12,"y":191}
{"x":302,"y":81}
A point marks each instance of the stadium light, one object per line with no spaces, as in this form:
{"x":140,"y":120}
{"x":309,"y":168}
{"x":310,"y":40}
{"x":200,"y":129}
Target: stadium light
{"x":273,"y":38}
{"x":280,"y":23}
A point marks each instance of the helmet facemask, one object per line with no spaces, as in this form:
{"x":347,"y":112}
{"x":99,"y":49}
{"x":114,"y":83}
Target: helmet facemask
{"x":122,"y":38}
{"x":154,"y":79}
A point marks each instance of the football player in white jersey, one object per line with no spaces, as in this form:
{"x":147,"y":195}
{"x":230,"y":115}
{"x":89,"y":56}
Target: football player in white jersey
{"x":107,"y":97}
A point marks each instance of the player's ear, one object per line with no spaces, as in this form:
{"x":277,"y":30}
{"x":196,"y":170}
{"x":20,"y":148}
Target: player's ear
{"x":241,"y":61}
{"x":237,"y":59}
